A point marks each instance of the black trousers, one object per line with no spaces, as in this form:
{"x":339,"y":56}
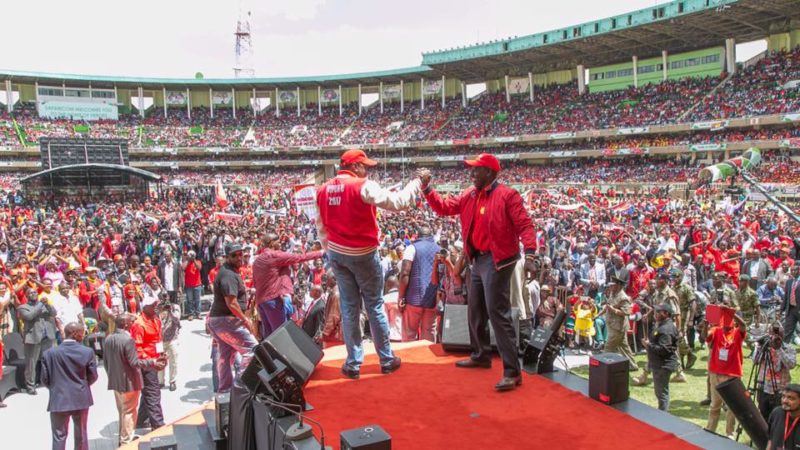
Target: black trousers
{"x":489,"y":300}
{"x":150,"y":404}
{"x":59,"y":424}
{"x":790,"y":323}
{"x":767,"y":402}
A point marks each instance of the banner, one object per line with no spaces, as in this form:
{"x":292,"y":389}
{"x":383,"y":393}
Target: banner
{"x":572,"y":207}
{"x":712,"y":125}
{"x":794,"y":84}
{"x":176,"y":98}
{"x":330,"y":95}
{"x":505,"y":139}
{"x":790,"y":143}
{"x":433,"y":87}
{"x":518,"y":85}
{"x":563,"y":154}
{"x":305,"y":199}
{"x":299,"y":129}
{"x":503,"y":156}
{"x":287,"y":97}
{"x":227,"y":217}
{"x":222,"y":98}
{"x":222,"y":197}
{"x":394,"y":126}
{"x":707,"y":147}
{"x":633,"y":130}
{"x":52,"y":109}
{"x":794,"y":117}
{"x":726,"y":169}
{"x":564,"y":135}
{"x":392,"y":91}
{"x":450,"y":158}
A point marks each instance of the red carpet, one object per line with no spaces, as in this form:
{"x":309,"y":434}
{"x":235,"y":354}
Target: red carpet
{"x":430,"y":404}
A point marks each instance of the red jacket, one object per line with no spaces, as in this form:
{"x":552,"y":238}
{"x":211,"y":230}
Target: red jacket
{"x":508,"y":220}
{"x":350,"y":223}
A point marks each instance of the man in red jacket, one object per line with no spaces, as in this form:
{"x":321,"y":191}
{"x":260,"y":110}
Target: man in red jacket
{"x":349,"y":229}
{"x":493,"y":222}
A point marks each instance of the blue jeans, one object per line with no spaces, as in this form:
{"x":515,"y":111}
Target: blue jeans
{"x":232,"y":338}
{"x":192,"y":307}
{"x":214,"y":361}
{"x":272,"y":314}
{"x":360,"y":281}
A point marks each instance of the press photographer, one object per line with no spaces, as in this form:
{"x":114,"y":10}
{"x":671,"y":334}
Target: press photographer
{"x":773,"y":361}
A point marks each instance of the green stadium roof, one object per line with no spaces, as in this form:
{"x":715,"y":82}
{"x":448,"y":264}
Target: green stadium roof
{"x":351,"y":79}
{"x":677,"y":26}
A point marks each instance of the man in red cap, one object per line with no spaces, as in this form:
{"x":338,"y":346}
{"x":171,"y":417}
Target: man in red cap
{"x":493,"y":222}
{"x":349,"y":230}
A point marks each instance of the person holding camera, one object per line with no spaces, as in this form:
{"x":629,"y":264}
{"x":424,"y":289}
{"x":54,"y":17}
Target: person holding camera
{"x":774,"y":360}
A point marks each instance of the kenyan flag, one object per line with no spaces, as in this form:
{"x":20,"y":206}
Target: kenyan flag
{"x":719,"y":172}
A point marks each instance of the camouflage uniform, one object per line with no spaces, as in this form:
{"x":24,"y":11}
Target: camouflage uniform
{"x":685,"y":295}
{"x":747,"y":299}
{"x":618,"y":326}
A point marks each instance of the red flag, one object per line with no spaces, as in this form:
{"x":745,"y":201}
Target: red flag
{"x":222,"y":198}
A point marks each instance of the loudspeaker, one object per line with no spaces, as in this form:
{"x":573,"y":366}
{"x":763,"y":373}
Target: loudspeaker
{"x":608,"y":378}
{"x":291,"y":345}
{"x":241,"y":431}
{"x":222,"y":411}
{"x":541,"y":350}
{"x":739,"y":402}
{"x":371,"y":437}
{"x":455,"y":329}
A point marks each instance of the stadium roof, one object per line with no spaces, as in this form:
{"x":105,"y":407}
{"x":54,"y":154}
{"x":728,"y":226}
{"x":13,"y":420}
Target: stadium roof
{"x":100,"y":81}
{"x":678,"y":26}
{"x":145,"y":174}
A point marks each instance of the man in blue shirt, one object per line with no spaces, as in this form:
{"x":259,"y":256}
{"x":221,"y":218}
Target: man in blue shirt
{"x":769,"y":292}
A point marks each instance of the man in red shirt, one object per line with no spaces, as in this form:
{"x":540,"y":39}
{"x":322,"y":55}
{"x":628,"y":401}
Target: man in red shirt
{"x":724,"y":363}
{"x":193,"y":287}
{"x":493,"y":222}
{"x":146,"y":333}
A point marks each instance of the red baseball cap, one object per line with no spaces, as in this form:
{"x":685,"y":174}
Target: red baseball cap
{"x":484,"y":160}
{"x":357,"y":156}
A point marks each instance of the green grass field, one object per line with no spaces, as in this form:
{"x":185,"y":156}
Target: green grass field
{"x":685,"y":397}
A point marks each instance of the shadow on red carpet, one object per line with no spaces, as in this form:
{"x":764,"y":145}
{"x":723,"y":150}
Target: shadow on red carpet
{"x":430,"y":404}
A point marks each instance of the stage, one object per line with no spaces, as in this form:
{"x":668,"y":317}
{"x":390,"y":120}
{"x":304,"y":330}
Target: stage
{"x":430,"y":404}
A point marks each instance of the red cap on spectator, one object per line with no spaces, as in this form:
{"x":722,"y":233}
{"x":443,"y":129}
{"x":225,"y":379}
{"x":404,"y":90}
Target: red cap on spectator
{"x":354,"y":156}
{"x":484,"y":160}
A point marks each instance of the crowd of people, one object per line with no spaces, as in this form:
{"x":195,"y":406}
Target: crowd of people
{"x":760,"y":89}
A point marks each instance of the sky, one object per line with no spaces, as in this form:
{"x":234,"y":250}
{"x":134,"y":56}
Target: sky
{"x":177,"y":38}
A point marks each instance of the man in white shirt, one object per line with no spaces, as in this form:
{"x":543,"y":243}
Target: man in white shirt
{"x":68,"y":307}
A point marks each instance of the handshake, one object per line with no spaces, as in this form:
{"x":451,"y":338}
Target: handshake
{"x":424,"y":176}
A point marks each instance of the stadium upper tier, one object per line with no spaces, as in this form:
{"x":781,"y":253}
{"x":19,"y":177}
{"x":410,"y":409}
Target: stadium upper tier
{"x":766,"y":87}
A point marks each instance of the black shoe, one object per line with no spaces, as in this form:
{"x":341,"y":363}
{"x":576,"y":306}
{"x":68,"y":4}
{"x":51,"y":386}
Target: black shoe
{"x":508,"y":383}
{"x":705,"y":402}
{"x":472,"y":364}
{"x":391,"y":366}
{"x":31,"y":391}
{"x":350,"y":373}
{"x":162,"y":385}
{"x":172,"y":386}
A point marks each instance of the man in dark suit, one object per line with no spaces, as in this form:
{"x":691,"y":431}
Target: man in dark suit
{"x":757,"y":268}
{"x":68,"y":371}
{"x":38,"y":319}
{"x":791,"y":305}
{"x":123,"y":367}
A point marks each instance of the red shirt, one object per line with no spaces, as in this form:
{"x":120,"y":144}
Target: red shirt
{"x":192,"y":274}
{"x":726,"y":351}
{"x":479,"y":237}
{"x":212,"y":274}
{"x":146,"y":333}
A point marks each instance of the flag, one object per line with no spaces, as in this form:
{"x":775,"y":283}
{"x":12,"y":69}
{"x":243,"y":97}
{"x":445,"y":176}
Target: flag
{"x":500,"y":116}
{"x":222,"y":198}
{"x":719,"y":172}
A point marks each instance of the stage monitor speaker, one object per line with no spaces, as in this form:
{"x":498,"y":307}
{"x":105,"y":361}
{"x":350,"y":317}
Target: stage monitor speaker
{"x":608,"y":378}
{"x":455,"y":329}
{"x":736,"y":397}
{"x":293,"y":347}
{"x":371,"y":437}
{"x":222,"y":411}
{"x":242,"y":430}
{"x":544,"y":346}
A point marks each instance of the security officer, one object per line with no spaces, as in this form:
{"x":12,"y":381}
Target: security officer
{"x":747,"y":299}
{"x":618,"y":311}
{"x":686,"y":299}
{"x":664,"y":295}
{"x":662,"y":352}
{"x":721,"y":293}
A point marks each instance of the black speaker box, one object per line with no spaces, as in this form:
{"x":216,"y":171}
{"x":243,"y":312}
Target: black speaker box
{"x":371,"y":437}
{"x":455,"y":329}
{"x":608,"y":378}
{"x":291,"y":345}
{"x":222,"y":411}
{"x":167,"y":442}
{"x":241,"y":431}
